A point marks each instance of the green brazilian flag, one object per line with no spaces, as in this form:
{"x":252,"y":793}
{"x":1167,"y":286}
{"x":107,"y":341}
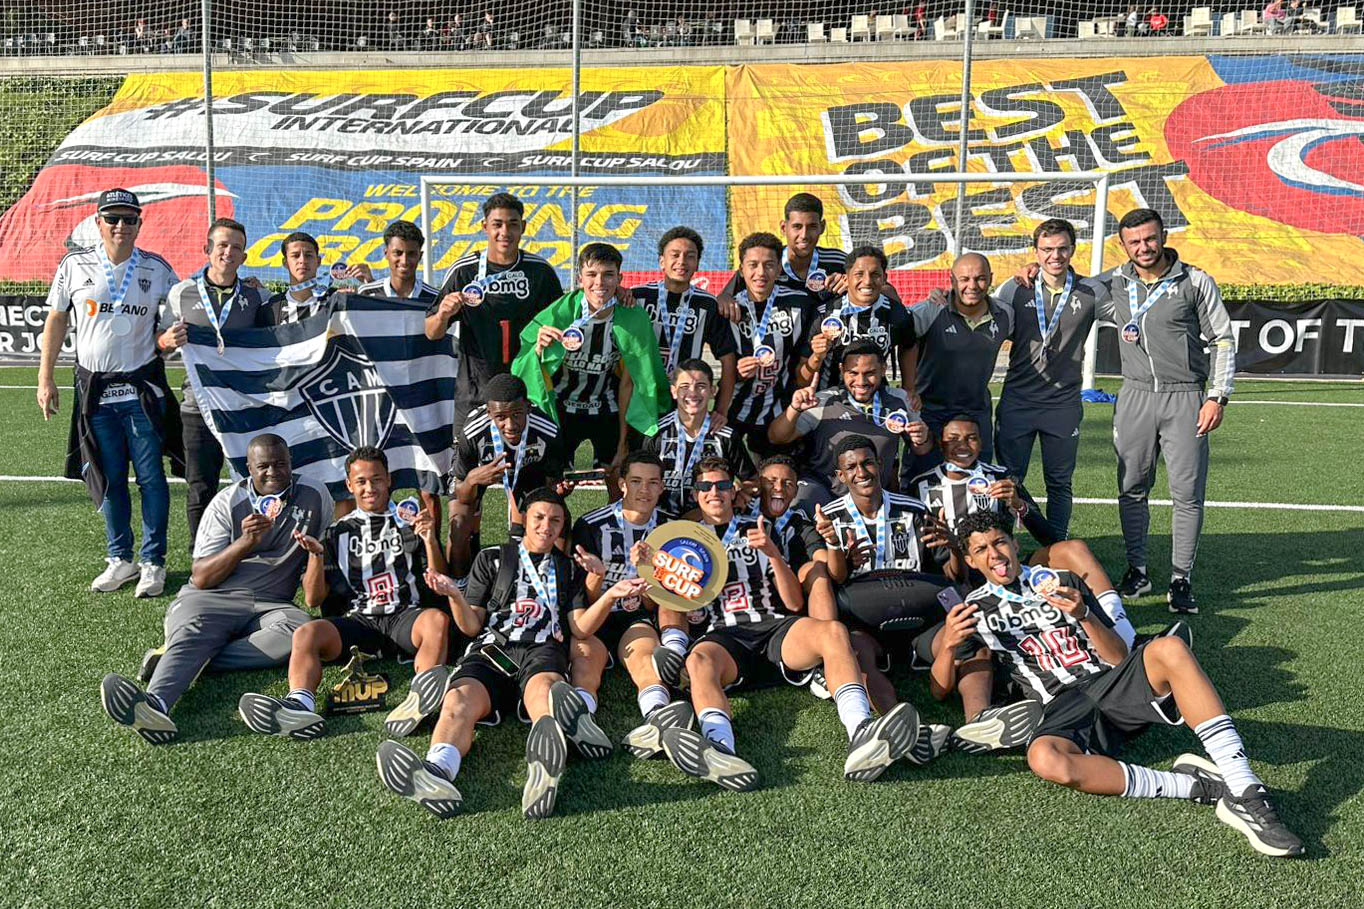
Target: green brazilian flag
{"x":633,"y":332}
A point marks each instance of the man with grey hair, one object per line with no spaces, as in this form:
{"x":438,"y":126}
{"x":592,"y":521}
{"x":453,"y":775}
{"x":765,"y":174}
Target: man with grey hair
{"x":237,"y":610}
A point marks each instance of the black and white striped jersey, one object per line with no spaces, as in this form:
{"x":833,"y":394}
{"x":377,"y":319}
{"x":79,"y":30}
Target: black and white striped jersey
{"x":699,"y":323}
{"x":374,"y":562}
{"x":421,"y":291}
{"x":1045,"y":649}
{"x":589,"y":376}
{"x":750,"y":593}
{"x":898,"y":515}
{"x":678,"y":452}
{"x":607,"y":534}
{"x":796,"y":537}
{"x":885,"y":322}
{"x":283,"y":309}
{"x":474,"y":446}
{"x":958,"y":496}
{"x":758,"y":400}
{"x":526,"y":617}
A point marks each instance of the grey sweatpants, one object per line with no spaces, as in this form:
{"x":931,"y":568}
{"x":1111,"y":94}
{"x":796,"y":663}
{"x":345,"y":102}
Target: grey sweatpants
{"x":1151,"y":424}
{"x":1058,"y":428}
{"x":224,"y":630}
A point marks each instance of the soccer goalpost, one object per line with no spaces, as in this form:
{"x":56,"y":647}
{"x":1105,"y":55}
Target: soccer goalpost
{"x":860,"y":213}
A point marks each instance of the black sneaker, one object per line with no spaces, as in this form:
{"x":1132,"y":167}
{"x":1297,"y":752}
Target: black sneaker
{"x":129,"y":706}
{"x":695,"y":755}
{"x":546,"y":755}
{"x":1252,"y":814}
{"x":149,"y":661}
{"x":881,"y":741}
{"x":570,"y":711}
{"x":1208,"y":783}
{"x":932,"y":742}
{"x":405,"y":774}
{"x":280,"y":716}
{"x":1133,"y":584}
{"x":424,"y":697}
{"x":1181,"y":597}
{"x":999,"y":728}
{"x":668,"y":663}
{"x":646,"y":740}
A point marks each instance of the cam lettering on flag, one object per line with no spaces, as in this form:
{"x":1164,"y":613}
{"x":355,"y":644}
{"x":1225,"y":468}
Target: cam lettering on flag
{"x":363,"y":373}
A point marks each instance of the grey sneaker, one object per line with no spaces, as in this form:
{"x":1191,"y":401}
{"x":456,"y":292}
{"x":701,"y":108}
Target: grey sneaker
{"x":546,"y":755}
{"x":424,"y":697}
{"x":407,"y":775}
{"x":698,"y":756}
{"x":152,"y":581}
{"x":129,"y":706}
{"x":999,"y":728}
{"x":931,"y":743}
{"x":646,"y":740}
{"x":570,"y":712}
{"x":1253,"y":815}
{"x":881,"y":741}
{"x":280,"y":716}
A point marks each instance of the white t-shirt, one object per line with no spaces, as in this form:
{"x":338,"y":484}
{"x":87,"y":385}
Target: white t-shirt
{"x":112,"y":338}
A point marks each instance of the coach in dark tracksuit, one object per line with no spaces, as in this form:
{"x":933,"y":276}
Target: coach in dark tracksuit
{"x":1173,"y":393}
{"x":1041,"y":397}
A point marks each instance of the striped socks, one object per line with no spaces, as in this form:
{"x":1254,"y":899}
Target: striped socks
{"x":1145,"y":783}
{"x":304,"y":698}
{"x":715,"y":726}
{"x":650,"y":699}
{"x":1223,"y":744}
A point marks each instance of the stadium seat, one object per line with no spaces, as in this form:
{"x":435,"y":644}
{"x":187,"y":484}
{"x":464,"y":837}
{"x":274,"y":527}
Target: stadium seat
{"x":1106,"y":27}
{"x":743,"y":31}
{"x":1087,"y":29}
{"x":1031,"y":28}
{"x":987,"y":31}
{"x":838,"y":35}
{"x":1229,"y":25}
{"x":1347,"y":20}
{"x":885,"y":28}
{"x":1250,"y":23}
{"x":767,"y":32}
{"x":1198,"y":22}
{"x":901,"y":26}
{"x":860,"y":29}
{"x":814,"y":33}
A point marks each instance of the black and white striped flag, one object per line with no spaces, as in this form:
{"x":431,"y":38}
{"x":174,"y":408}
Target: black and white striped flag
{"x":362,"y":372}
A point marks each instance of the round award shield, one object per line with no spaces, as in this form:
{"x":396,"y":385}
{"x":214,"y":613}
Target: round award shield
{"x":766,"y":355}
{"x":1043,"y":581}
{"x":120,"y":325}
{"x":978,"y":485}
{"x":688,"y":567}
{"x":897,"y":421}
{"x":831,"y":327}
{"x":816,"y":279}
{"x":473,"y":293}
{"x":407,"y":510}
{"x":270,"y":506}
{"x":1131,"y":333}
{"x":572,"y":339}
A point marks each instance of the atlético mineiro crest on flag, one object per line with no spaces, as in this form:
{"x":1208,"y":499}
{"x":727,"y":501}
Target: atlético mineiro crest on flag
{"x":349,"y":399}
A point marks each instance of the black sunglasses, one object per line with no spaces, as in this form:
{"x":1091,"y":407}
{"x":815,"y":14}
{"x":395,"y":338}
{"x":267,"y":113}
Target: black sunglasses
{"x":121,"y":219}
{"x":708,"y":485}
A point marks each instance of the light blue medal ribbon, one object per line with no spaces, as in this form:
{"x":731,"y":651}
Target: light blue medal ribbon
{"x":618,"y":510}
{"x":294,"y":308}
{"x":871,"y":411}
{"x":546,"y":586}
{"x":698,"y":445}
{"x":731,"y":532}
{"x":1008,"y":595}
{"x":500,"y":447}
{"x":882,"y":528}
{"x":116,"y":296}
{"x":758,"y":328}
{"x":791,"y":272}
{"x":1047,"y":330}
{"x":778,"y":523}
{"x":217,"y":319}
{"x":588,"y":316}
{"x":683,"y":313}
{"x":847,"y":309}
{"x":1131,"y":332}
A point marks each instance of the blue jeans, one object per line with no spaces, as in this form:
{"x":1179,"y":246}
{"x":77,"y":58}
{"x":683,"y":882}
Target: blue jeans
{"x":123,"y":431}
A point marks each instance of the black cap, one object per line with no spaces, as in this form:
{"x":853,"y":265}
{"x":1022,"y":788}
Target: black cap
{"x":117,"y":198}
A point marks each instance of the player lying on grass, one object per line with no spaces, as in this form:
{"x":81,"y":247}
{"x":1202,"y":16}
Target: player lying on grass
{"x":237,"y":610}
{"x":615,"y":536}
{"x":752,"y":629}
{"x":523,"y":599}
{"x":1096,"y":693}
{"x":373,"y":560}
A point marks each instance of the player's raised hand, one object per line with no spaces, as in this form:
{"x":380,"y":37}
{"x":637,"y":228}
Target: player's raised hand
{"x":360,"y":272}
{"x":917,"y":432}
{"x":727,"y":306}
{"x":424,"y":526}
{"x":1004,"y":489}
{"x":641,"y":553}
{"x":748,"y":367}
{"x":588,"y":562}
{"x":310,"y":545}
{"x":451,"y":304}
{"x":837,"y":283}
{"x":1069,"y":601}
{"x":819,"y":345}
{"x":490,"y":473}
{"x":825,"y":527}
{"x":442,"y":584}
{"x":628,"y":587}
{"x":1027,"y":274}
{"x":959,"y":625}
{"x":933,"y":533}
{"x":254,"y":527}
{"x":804,"y":398}
{"x":546,"y":336}
{"x":759,"y":539}
{"x":857,"y":551}
{"x":938,"y":297}
{"x":47,"y":397}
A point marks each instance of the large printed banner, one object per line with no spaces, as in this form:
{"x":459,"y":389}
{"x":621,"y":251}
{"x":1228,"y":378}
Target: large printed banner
{"x":337,"y":154}
{"x":1254,"y":162}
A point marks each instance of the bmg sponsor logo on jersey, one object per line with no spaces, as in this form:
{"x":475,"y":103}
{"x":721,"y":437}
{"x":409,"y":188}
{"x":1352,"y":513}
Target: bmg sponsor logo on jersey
{"x":389,"y":541}
{"x":508,"y":284}
{"x":1041,"y":615}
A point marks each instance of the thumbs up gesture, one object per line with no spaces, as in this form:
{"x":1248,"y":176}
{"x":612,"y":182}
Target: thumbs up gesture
{"x":759,"y":540}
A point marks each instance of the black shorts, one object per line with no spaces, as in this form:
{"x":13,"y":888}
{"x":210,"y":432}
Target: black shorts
{"x":601,"y":429}
{"x":619,"y":622}
{"x":504,"y":691}
{"x":756,"y":649}
{"x":379,"y":635}
{"x":891,"y":602}
{"x":1102,"y":712}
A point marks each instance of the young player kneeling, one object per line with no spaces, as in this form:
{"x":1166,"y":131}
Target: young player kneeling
{"x":1062,"y":648}
{"x":751,"y":624}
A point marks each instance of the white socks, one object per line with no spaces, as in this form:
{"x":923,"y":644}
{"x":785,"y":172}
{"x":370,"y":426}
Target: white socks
{"x":1223,"y":744}
{"x":650,"y":699}
{"x":446,"y":757}
{"x":715,"y":726}
{"x":1112,"y":604}
{"x":675,"y":639}
{"x":589,"y":698}
{"x":853,"y":706}
{"x":304,"y":697}
{"x":1145,"y":783}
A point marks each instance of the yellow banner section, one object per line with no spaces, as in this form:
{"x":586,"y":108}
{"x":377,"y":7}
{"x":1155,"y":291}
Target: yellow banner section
{"x":1235,"y":205}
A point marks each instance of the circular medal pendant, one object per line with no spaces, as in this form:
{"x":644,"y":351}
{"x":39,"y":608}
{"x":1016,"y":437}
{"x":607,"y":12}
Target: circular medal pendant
{"x":766,"y":355}
{"x":572,"y":339}
{"x":120,"y":326}
{"x":407,"y":510}
{"x":816,"y":279}
{"x":270,"y":506}
{"x":1131,"y":333}
{"x":832,"y":327}
{"x":1044,"y":581}
{"x":897,"y":421}
{"x":473,"y":293}
{"x":978,"y":485}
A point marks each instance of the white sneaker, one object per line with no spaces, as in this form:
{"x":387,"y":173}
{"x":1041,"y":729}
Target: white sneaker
{"x":153,"y":580}
{"x":118,"y":573}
